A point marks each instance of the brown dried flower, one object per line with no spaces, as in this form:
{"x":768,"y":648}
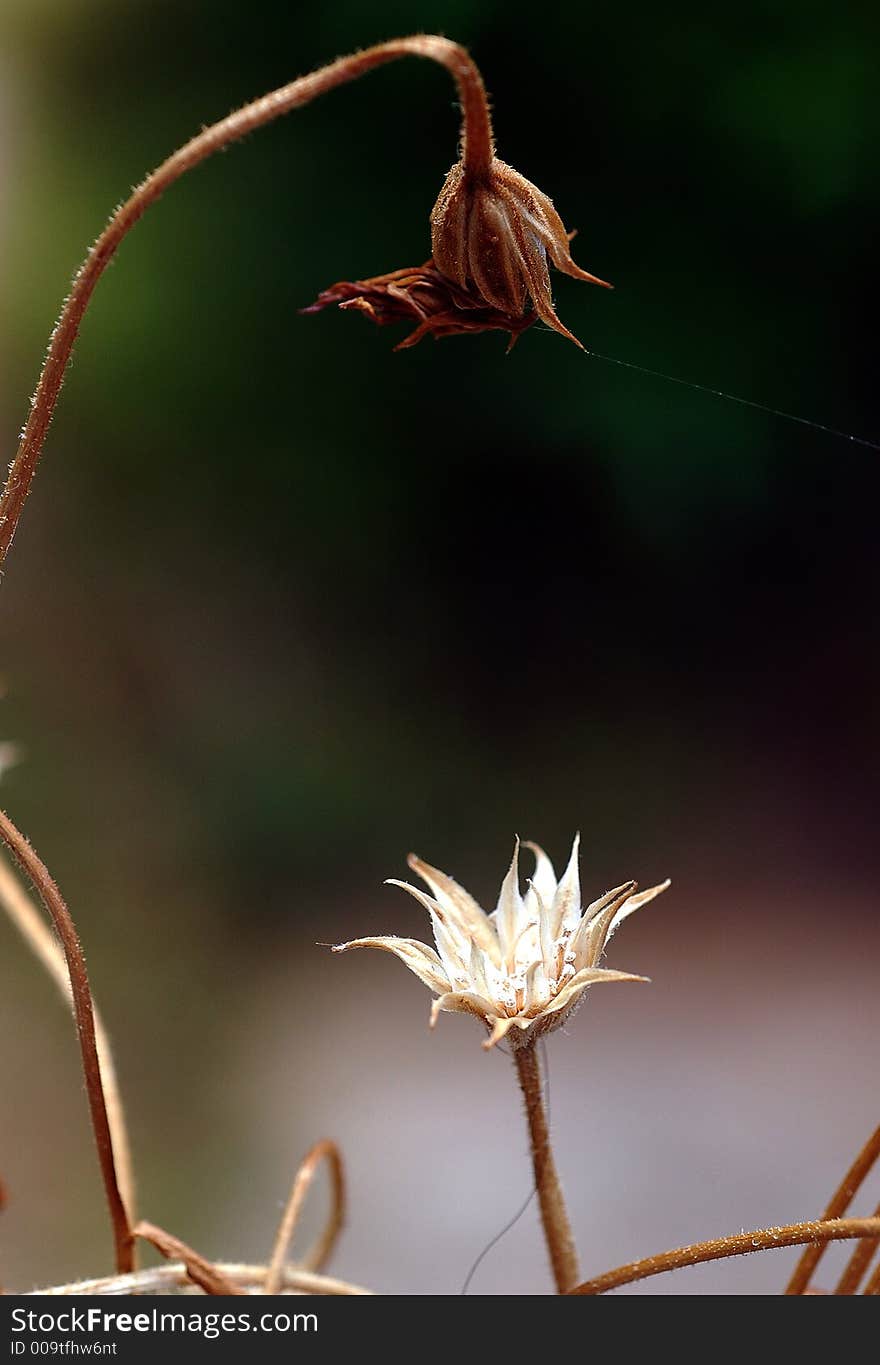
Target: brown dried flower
{"x":494,"y":236}
{"x":524,"y":967}
{"x":420,"y":294}
{"x":495,"y":233}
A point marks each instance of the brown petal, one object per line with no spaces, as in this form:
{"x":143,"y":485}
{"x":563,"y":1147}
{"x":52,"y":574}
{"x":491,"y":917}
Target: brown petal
{"x":449,"y":220}
{"x":426,"y":296}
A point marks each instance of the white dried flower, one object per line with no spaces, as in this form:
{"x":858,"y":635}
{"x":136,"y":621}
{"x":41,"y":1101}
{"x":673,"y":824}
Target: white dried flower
{"x":525,"y":966}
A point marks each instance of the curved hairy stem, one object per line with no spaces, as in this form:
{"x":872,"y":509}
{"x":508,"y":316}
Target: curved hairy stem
{"x":477,"y":152}
{"x":325,"y":1150}
{"x":554,"y":1215}
{"x":765,"y":1239}
{"x":42,"y":942}
{"x":837,"y":1205}
{"x":83,"y":1010}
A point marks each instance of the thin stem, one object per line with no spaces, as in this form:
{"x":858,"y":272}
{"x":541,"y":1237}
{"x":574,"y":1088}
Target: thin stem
{"x":45,"y":946}
{"x":203,"y":1273}
{"x":873,"y":1285}
{"x":83,"y":1010}
{"x":477,"y":152}
{"x":554,"y":1216}
{"x":325,"y":1150}
{"x":765,"y":1239}
{"x":854,"y":1270}
{"x":838,"y":1205}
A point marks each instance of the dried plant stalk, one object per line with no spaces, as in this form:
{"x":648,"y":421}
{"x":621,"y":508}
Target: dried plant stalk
{"x":325,"y":1150}
{"x":477,"y":152}
{"x":857,"y":1265}
{"x":36,"y":933}
{"x":554,"y":1215}
{"x":838,"y":1205}
{"x":203,"y":1273}
{"x":764,"y":1239}
{"x":83,"y":1009}
{"x":873,"y":1285}
{"x":164,"y":1279}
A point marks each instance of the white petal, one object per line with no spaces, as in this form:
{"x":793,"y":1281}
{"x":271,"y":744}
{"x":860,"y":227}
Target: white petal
{"x":477,"y":970}
{"x":589,"y":976}
{"x":567,"y":901}
{"x":420,"y":959}
{"x":548,"y":944}
{"x":453,"y":948}
{"x":509,"y":917}
{"x":635,"y":903}
{"x":543,"y":883}
{"x":459,"y":905}
{"x":537,"y":990}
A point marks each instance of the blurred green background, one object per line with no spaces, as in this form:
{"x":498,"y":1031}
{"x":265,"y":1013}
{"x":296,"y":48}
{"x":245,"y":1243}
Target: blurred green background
{"x":285,"y":605}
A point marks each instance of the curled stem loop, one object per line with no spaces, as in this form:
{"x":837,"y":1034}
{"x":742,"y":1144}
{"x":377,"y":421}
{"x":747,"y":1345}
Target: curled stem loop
{"x":325,"y":1150}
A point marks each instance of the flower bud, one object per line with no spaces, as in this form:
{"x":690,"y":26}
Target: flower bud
{"x":494,"y":234}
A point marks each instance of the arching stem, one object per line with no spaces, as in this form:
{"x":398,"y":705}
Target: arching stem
{"x":477,"y":151}
{"x":743,"y":1244}
{"x":52,"y":899}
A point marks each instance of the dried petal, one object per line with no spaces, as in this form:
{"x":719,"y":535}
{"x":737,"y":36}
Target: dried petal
{"x":509,"y":914}
{"x":589,"y":976}
{"x":544,"y":878}
{"x":588,"y":940}
{"x":422,"y":961}
{"x":420,"y":294}
{"x":635,"y":903}
{"x":537,"y":991}
{"x":460,"y":905}
{"x":500,"y":1029}
{"x":452,"y":945}
{"x":462,"y":1002}
{"x":494,"y":234}
{"x":566,"y":910}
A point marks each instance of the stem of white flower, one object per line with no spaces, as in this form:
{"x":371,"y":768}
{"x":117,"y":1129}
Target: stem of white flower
{"x":554,"y":1215}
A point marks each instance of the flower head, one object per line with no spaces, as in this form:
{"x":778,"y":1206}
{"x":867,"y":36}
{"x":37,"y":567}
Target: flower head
{"x":526,"y":966}
{"x":422,"y":295}
{"x":495,"y":233}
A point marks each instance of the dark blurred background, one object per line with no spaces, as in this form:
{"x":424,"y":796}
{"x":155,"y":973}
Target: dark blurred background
{"x":285,"y":605}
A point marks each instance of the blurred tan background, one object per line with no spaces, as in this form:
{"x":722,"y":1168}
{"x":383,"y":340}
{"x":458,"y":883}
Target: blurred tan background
{"x":285,"y":605}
